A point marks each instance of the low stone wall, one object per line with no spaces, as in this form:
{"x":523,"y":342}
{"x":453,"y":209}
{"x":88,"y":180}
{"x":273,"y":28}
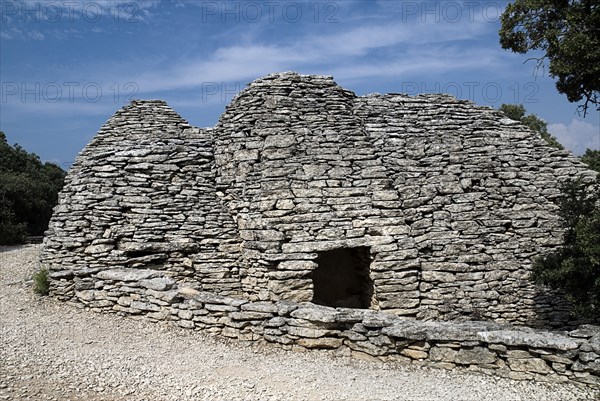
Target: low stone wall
{"x":498,"y":349}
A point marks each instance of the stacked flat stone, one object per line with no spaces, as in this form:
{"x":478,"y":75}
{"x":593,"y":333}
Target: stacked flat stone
{"x":142,"y":195}
{"x":519,"y":353}
{"x":453,"y":200}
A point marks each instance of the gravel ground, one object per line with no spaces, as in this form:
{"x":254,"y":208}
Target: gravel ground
{"x":53,"y":351}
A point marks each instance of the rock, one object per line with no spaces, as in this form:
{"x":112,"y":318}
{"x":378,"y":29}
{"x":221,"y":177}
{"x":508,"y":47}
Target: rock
{"x":534,"y":365}
{"x":275,"y":322}
{"x":593,"y":366}
{"x":126,"y":274}
{"x":220,"y":308}
{"x":266,"y":307}
{"x":403,"y":329}
{"x":86,"y":295}
{"x":158,"y":284}
{"x":186,"y":324}
{"x":210,"y":298}
{"x":379,"y":320}
{"x":308,"y":332}
{"x":558,"y":359}
{"x":347,"y":315}
{"x":533,"y":339}
{"x":284,"y":308}
{"x":250,"y":315}
{"x":144,"y":306}
{"x":414,"y":354}
{"x":585,"y":331}
{"x":442,"y":354}
{"x":474,"y":356}
{"x":102,"y":248}
{"x":315,"y":313}
{"x":325,"y":342}
{"x":187,"y":292}
{"x":62,"y":274}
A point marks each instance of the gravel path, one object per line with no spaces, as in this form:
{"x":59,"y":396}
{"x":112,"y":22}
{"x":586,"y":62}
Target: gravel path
{"x":50,"y":350}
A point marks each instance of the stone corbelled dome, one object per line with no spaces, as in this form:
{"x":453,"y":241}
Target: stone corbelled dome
{"x":423,"y":206}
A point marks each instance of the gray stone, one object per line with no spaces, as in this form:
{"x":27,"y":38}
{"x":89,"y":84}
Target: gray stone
{"x":126,"y":274}
{"x":86,"y":295}
{"x":379,"y":320}
{"x":275,"y":322}
{"x":309,"y":332}
{"x":158,"y":284}
{"x":266,"y":307}
{"x":102,"y":248}
{"x":325,"y":342}
{"x":534,"y":365}
{"x":250,"y":315}
{"x":474,"y":356}
{"x":315,"y":313}
{"x":585,"y":331}
{"x":442,"y":354}
{"x":187,"y":292}
{"x":144,"y":306}
{"x":533,"y":339}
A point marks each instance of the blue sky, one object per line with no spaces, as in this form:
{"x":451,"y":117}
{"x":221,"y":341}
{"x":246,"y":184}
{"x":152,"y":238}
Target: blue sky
{"x":67,"y":66}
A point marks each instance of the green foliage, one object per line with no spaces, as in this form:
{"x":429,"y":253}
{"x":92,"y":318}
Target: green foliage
{"x":517,"y":112}
{"x":575,"y":268}
{"x":592,"y":159}
{"x":28,"y":192}
{"x":567,"y":34}
{"x":41,"y":282}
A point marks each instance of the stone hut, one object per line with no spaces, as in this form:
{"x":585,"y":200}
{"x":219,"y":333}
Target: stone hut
{"x":423,"y":206}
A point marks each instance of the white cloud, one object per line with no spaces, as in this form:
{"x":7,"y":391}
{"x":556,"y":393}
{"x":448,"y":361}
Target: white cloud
{"x":18,"y":16}
{"x":577,"y":136}
{"x":36,"y":35}
{"x":18,"y":109}
{"x":361,"y":39}
{"x":418,"y":49}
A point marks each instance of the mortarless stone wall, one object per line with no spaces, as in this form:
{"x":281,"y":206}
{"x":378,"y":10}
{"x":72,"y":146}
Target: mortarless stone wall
{"x":518,"y":353}
{"x":453,"y":202}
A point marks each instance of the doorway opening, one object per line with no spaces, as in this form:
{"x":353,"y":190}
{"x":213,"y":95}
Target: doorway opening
{"x":342,"y":278}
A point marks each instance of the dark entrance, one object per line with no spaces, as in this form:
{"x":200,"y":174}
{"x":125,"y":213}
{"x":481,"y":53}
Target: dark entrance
{"x":342,"y":278}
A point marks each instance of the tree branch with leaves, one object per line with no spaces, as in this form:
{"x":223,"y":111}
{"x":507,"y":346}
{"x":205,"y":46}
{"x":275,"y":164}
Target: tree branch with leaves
{"x":567,"y":32}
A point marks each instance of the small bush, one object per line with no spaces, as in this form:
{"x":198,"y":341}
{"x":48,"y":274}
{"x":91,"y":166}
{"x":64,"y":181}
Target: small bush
{"x":41,"y":282}
{"x":575,"y":268}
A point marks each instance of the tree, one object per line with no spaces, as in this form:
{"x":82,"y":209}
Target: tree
{"x":575,"y":268}
{"x":517,"y":112}
{"x":592,"y":159}
{"x":28,"y":192}
{"x":567,"y":32}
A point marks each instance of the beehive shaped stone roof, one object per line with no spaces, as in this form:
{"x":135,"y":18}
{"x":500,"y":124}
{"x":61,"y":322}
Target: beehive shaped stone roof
{"x":450,"y":201}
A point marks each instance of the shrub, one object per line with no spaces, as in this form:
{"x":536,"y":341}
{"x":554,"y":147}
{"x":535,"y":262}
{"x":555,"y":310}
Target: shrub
{"x":575,"y":268}
{"x":28,"y":192}
{"x":41,"y":282}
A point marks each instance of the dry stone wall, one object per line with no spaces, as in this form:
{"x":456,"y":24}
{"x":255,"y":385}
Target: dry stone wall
{"x":477,"y":191}
{"x":299,"y":171}
{"x":491,"y":348}
{"x":141,"y":195}
{"x":444,"y":205}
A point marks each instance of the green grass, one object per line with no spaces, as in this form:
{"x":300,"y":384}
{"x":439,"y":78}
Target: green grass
{"x":41,"y":282}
